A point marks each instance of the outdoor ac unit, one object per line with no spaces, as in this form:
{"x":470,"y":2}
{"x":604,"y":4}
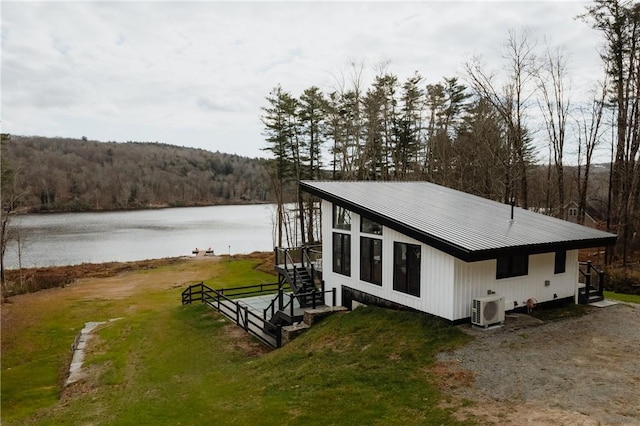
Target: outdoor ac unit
{"x":487,"y":310}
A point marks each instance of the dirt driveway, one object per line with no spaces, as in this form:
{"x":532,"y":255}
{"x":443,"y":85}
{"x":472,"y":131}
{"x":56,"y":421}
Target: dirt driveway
{"x":576,"y":371}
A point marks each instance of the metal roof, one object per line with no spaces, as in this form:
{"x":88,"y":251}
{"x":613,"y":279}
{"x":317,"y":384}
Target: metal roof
{"x":466,"y":226}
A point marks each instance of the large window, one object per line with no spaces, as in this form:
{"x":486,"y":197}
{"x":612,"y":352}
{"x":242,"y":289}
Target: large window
{"x":406,"y":268}
{"x":370,"y":227}
{"x":512,"y":266}
{"x":342,"y":253}
{"x":341,"y":218}
{"x":371,"y":260}
{"x":560,"y":262}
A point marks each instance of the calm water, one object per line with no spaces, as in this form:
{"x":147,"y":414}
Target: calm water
{"x":73,"y":238}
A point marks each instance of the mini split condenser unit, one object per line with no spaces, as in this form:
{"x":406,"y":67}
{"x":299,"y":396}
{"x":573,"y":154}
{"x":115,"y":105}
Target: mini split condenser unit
{"x":487,"y":310}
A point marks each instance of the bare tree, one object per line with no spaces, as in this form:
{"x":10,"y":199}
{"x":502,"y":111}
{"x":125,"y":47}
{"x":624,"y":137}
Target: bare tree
{"x":554,"y":106}
{"x":345,"y":123}
{"x":619,"y":23}
{"x":511,"y":102}
{"x":589,"y":125}
{"x":11,"y":195}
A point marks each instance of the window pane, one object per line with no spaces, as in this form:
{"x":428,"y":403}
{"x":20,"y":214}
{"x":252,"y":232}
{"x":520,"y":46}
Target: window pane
{"x":560,"y":262}
{"x":399,"y":267}
{"x":342,"y":253}
{"x":365,"y":259}
{"x":346,"y":254}
{"x":371,"y":260}
{"x":370,"y":227}
{"x":512,"y":266}
{"x":337,"y":253}
{"x":341,"y":218}
{"x":520,"y":266}
{"x":406,"y":268}
{"x":377,"y":262}
{"x":413,"y":263}
{"x":502,"y":269}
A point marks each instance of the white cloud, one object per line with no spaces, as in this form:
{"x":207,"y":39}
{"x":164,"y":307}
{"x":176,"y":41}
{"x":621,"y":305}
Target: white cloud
{"x":197,"y":73}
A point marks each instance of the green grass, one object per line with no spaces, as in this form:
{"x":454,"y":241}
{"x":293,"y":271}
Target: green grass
{"x":631,"y":298}
{"x":171,"y":364}
{"x":238,"y":273}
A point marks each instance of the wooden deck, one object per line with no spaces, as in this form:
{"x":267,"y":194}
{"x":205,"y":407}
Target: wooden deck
{"x":202,"y":253}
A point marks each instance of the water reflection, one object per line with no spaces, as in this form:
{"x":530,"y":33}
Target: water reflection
{"x":73,"y":238}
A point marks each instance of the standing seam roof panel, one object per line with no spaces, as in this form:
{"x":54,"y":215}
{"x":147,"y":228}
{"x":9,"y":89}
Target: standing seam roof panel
{"x":464,"y":221}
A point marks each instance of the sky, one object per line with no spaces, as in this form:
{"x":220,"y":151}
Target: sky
{"x":197,"y":73}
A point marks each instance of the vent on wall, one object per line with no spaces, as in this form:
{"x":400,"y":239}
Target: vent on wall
{"x":486,"y":311}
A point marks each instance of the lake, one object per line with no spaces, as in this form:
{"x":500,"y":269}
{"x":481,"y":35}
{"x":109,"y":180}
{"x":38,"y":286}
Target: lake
{"x":53,"y":239}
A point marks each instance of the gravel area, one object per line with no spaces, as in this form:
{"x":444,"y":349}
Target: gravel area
{"x":583,"y":370}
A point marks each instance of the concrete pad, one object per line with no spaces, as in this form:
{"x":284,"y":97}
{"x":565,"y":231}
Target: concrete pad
{"x":604,"y":303}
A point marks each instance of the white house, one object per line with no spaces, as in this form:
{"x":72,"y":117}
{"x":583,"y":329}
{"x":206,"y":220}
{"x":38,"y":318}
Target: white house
{"x":441,"y":251}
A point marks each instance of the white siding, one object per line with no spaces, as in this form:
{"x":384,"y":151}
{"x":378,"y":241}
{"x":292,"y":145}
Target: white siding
{"x":436,"y":269}
{"x":476,"y":279}
{"x":448,"y":285}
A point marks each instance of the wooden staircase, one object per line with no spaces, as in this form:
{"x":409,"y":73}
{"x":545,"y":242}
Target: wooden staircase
{"x":302,"y":284}
{"x":295,"y":268}
{"x":591,"y":284}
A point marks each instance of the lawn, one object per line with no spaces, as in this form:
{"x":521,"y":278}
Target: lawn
{"x":163,"y":363}
{"x":631,"y":298}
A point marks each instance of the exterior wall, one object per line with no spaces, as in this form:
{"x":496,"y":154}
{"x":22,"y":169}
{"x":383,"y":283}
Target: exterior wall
{"x":448,"y":285}
{"x":476,"y":279}
{"x":436,"y":269}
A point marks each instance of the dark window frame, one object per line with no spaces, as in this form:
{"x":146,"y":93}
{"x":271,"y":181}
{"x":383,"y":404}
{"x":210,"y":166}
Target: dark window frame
{"x":370,"y":267}
{"x":512,"y":266}
{"x":407,"y":280}
{"x":342,"y":253}
{"x":560,"y":262}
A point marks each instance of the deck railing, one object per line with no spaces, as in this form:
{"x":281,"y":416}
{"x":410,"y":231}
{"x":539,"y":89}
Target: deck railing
{"x":309,"y":257}
{"x":194,"y":292}
{"x":270,"y":310}
{"x":240,"y":314}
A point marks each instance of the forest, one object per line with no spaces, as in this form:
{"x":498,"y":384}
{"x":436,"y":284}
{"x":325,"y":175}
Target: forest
{"x":515,"y":135}
{"x":57,"y":174}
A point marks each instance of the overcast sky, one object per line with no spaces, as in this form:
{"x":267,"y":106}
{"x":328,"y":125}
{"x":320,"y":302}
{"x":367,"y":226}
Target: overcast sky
{"x":197,"y":73}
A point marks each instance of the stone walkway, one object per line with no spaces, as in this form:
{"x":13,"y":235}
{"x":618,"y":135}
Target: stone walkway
{"x":78,"y":348}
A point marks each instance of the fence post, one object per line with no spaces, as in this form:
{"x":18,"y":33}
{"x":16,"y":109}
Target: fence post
{"x":587,"y":279}
{"x":333,"y":291}
{"x":246,"y":318}
{"x":279,"y":336}
{"x":292,"y":299}
{"x":314,"y":294}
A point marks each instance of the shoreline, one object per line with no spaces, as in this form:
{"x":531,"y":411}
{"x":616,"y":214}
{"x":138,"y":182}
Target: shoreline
{"x":32,"y":280}
{"x":37,"y":211}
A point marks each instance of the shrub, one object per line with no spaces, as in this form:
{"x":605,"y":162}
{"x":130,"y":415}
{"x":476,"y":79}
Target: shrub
{"x":33,"y":280}
{"x":623,"y":280}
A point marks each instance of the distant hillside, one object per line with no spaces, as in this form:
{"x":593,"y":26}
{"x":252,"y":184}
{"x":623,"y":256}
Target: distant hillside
{"x":78,"y":175}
